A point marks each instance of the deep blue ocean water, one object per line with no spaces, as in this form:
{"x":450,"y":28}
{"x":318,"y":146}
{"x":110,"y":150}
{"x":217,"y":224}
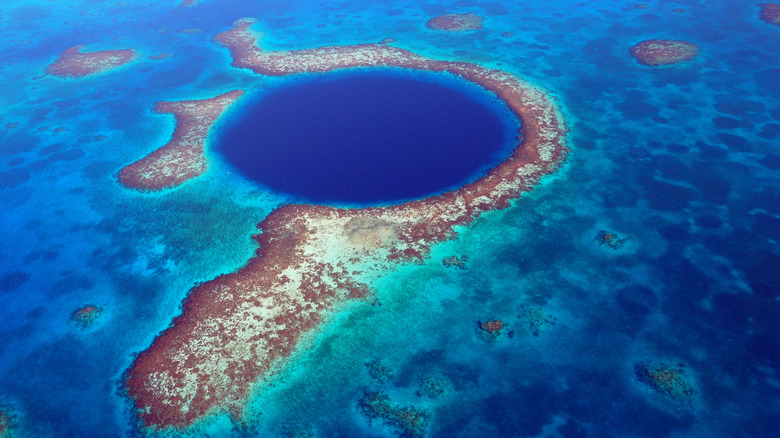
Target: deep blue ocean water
{"x":681,"y":161}
{"x":368,"y":138}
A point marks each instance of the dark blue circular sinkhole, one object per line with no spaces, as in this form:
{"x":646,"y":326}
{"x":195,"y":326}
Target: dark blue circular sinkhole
{"x":369,"y":137}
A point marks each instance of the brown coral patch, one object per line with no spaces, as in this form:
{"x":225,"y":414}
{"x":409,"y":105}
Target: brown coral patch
{"x":770,"y":13}
{"x":73,"y":63}
{"x":664,"y":52}
{"x":455,"y":22}
{"x":181,"y":159}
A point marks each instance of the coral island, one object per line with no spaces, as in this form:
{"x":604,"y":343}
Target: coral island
{"x":455,"y":22}
{"x":73,"y":63}
{"x":240,"y":329}
{"x":664,"y":52}
{"x":182,"y":158}
{"x":408,"y":421}
{"x":671,"y":381}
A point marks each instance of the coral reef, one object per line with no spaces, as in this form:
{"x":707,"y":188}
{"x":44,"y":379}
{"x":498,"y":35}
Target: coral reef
{"x":181,"y":159}
{"x":770,"y":13}
{"x":610,"y":239}
{"x":433,"y":387}
{"x":455,"y":22}
{"x":238,"y":330}
{"x":5,"y":424}
{"x":492,"y":327}
{"x":671,"y":381}
{"x":408,"y":421}
{"x":297,"y":432}
{"x":86,"y":316}
{"x":536,"y":318}
{"x":73,"y":63}
{"x":379,"y":371}
{"x":455,"y":262}
{"x":664,"y":52}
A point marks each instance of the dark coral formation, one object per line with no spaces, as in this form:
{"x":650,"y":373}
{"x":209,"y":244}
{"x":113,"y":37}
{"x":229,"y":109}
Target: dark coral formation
{"x":770,"y":13}
{"x":492,"y":327}
{"x":664,"y":52}
{"x":671,"y":381}
{"x":433,"y":387}
{"x":379,"y":371}
{"x":86,"y":316}
{"x":5,"y":423}
{"x":73,"y":63}
{"x":535,"y":318}
{"x":408,"y":421}
{"x":455,"y":22}
{"x":297,"y":432}
{"x":610,"y":239}
{"x":455,"y":262}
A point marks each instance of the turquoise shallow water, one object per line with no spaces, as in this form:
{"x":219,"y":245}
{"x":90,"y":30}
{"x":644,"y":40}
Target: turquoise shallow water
{"x":681,"y":162}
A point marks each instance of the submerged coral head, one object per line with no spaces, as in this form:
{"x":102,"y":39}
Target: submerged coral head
{"x":664,"y":52}
{"x":455,"y":22}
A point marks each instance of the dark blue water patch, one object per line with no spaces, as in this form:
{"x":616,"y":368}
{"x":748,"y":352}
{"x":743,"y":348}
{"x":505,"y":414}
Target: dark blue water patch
{"x":737,"y":107}
{"x":11,"y":281}
{"x":13,"y":177}
{"x":734,"y":142}
{"x":766,"y":225}
{"x":618,"y":193}
{"x":636,"y":299}
{"x":57,"y":383}
{"x":683,"y":279}
{"x":726,"y":122}
{"x":769,"y":131}
{"x":710,"y":152}
{"x":768,"y":198}
{"x":675,"y":233}
{"x":663,"y":78}
{"x":69,"y":155}
{"x":368,"y":137}
{"x":770,"y":161}
{"x":712,"y":187}
{"x":671,"y":167}
{"x":394,"y":12}
{"x":16,"y":143}
{"x":433,"y":8}
{"x":52,"y":148}
{"x":494,"y":8}
{"x":637,"y":110}
{"x":660,"y":120}
{"x":663,"y":196}
{"x":677,"y":148}
{"x":572,"y":429}
{"x":768,"y":81}
{"x":70,"y":283}
{"x":708,"y":221}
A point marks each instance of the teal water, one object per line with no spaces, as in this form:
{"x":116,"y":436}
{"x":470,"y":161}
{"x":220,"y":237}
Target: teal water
{"x":680,"y":161}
